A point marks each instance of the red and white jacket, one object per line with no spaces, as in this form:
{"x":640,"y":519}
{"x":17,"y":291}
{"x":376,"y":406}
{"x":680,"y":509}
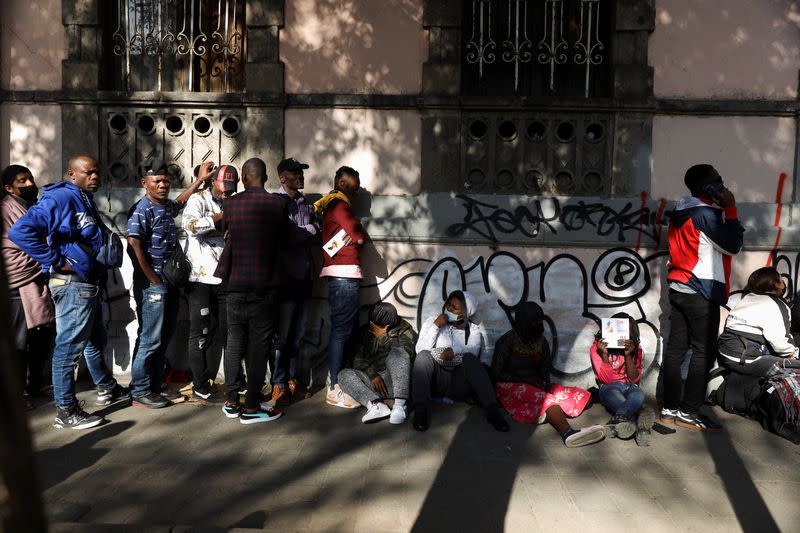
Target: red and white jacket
{"x":702,"y":239}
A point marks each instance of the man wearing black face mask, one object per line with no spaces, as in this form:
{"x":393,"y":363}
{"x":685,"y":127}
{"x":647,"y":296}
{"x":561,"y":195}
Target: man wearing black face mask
{"x":32,"y":312}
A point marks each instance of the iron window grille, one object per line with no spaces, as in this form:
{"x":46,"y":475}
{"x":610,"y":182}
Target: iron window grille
{"x":175,"y":45}
{"x":536,"y":47}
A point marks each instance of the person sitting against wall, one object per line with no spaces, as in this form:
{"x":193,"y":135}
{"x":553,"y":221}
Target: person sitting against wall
{"x":448,"y":362}
{"x":757,"y":332}
{"x":618,"y":373}
{"x":381,"y":365}
{"x":521,"y":371}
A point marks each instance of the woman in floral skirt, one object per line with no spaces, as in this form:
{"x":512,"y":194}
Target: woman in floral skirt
{"x":521,"y":373}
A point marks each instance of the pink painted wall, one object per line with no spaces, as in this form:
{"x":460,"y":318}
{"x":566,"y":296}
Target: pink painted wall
{"x":383,"y":145}
{"x":30,"y":135}
{"x":749,"y":152}
{"x":353,"y":46}
{"x":730,"y":49}
{"x":32,"y":44}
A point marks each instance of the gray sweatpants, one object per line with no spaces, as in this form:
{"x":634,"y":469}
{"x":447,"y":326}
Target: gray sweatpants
{"x":396,"y":376}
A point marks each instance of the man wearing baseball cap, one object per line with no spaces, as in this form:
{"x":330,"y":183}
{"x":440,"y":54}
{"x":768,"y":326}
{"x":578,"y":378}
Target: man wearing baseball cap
{"x":152,"y":237}
{"x":294,"y":295}
{"x":202,"y":221}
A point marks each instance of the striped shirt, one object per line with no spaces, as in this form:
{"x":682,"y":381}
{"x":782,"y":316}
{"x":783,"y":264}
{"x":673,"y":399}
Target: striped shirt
{"x":154,"y":225}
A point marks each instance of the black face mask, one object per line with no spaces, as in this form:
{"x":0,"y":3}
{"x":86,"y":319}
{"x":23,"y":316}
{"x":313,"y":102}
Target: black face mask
{"x":29,"y":193}
{"x":537,"y":331}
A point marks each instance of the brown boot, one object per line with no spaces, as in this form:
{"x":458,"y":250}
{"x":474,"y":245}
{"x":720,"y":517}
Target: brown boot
{"x":281,"y":395}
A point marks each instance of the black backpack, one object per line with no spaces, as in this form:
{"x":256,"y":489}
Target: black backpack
{"x":754,"y":397}
{"x":177,"y":268}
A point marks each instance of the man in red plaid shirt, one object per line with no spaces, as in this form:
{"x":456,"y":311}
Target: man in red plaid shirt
{"x":256,"y":224}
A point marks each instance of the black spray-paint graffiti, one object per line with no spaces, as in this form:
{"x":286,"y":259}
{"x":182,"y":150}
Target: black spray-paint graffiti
{"x":574,"y":296}
{"x":488,"y":220}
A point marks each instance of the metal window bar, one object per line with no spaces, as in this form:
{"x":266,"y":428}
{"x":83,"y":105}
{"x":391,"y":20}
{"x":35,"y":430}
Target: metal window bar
{"x":147,"y":30}
{"x":588,"y":48}
{"x":584,"y":48}
{"x":481,"y":46}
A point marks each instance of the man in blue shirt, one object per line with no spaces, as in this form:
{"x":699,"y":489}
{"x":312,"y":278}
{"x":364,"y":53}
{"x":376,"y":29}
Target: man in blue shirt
{"x":152,"y":238}
{"x":64,"y":233}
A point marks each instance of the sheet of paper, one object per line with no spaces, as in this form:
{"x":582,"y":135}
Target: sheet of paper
{"x":615,"y":331}
{"x":333,"y":246}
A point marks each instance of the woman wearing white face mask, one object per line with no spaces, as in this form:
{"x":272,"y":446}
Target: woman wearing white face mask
{"x":448,"y":362}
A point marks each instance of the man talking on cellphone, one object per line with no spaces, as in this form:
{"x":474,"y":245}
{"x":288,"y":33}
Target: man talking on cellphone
{"x":704,"y":234}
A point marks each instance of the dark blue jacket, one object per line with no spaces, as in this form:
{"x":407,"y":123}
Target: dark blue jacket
{"x":61,"y":228}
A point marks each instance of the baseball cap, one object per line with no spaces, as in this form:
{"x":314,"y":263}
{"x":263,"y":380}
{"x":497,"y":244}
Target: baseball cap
{"x":226,"y":173}
{"x":152,"y":166}
{"x":291,"y":164}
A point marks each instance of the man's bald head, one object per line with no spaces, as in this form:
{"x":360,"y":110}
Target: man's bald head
{"x":254,"y":173}
{"x":84,"y":172}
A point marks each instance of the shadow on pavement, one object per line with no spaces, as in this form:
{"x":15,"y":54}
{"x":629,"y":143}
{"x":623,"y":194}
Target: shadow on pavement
{"x":470,"y":494}
{"x":751,"y":511}
{"x":53,"y":468}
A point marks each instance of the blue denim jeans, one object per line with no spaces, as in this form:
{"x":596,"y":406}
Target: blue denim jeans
{"x":343,"y":301}
{"x":622,"y":398}
{"x":79,"y":330}
{"x":156,"y":307}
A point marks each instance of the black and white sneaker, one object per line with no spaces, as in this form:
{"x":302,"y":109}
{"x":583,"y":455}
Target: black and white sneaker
{"x":112,"y":394}
{"x":201,"y":393}
{"x":696,"y":422}
{"x":231,"y":410}
{"x":264,"y":413}
{"x":75,"y":417}
{"x":668,"y":416}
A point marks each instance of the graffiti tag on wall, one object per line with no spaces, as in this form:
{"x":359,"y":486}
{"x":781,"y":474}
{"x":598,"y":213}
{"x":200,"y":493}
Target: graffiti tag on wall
{"x":548,"y":214}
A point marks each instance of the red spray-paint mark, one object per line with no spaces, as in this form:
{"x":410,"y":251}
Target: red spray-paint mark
{"x":778,"y":211}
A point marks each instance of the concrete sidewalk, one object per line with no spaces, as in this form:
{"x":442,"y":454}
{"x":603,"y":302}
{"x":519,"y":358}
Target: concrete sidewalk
{"x":189,"y":468}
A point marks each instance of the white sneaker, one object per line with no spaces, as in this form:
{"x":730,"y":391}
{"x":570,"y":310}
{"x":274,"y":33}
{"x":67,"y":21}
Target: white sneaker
{"x":337,"y":397}
{"x":398,"y":415}
{"x":376,"y":411}
{"x":585,"y":436}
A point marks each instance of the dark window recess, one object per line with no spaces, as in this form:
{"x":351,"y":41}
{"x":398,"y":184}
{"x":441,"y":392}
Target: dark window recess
{"x":537,"y":48}
{"x":173,"y":45}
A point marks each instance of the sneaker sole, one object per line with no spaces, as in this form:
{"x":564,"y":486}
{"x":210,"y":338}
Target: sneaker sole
{"x":586,"y":439}
{"x":229,"y":415}
{"x":667,"y":420}
{"x":625,"y":430}
{"x":694,"y":427}
{"x":643,"y":427}
{"x":397,"y":422}
{"x":341,"y":404}
{"x":79,"y":426}
{"x":139,"y":404}
{"x":260,"y":420}
{"x":376,"y":419}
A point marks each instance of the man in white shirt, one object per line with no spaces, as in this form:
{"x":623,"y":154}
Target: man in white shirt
{"x":202,"y":221}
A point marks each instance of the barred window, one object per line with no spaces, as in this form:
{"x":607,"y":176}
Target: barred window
{"x":174,"y":45}
{"x":536,"y":47}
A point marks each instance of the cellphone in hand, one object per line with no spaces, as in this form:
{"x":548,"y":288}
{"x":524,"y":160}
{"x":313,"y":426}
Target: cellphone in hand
{"x":714,"y":189}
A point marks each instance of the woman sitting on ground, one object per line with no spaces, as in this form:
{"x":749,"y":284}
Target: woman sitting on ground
{"x":757,"y":331}
{"x":448,"y":362}
{"x":521,"y":372}
{"x":382,"y":365}
{"x":618,"y":373}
